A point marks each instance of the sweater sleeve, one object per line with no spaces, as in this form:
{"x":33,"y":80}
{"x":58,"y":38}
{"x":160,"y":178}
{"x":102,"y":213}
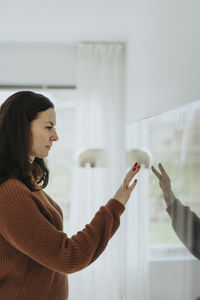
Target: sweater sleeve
{"x":26,"y":229}
{"x":186,"y":225}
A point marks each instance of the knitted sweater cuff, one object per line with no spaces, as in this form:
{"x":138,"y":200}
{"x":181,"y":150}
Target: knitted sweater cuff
{"x":116,"y":206}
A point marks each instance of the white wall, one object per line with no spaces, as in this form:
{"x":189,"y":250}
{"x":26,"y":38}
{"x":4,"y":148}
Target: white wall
{"x":174,"y":279}
{"x":163,"y":37}
{"x":163,"y":57}
{"x":38,"y":63}
{"x":163,"y":60}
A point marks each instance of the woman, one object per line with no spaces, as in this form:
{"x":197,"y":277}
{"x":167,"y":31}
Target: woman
{"x":35,"y":254}
{"x":185,"y":222}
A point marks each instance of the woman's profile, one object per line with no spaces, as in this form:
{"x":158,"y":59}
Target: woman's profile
{"x":35,"y":254}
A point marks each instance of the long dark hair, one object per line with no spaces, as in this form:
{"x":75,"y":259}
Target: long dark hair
{"x":16,"y":114}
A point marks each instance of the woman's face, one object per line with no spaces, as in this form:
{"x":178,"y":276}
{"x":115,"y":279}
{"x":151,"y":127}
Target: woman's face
{"x":43,"y":133}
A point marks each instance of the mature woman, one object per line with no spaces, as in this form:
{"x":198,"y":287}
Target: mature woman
{"x":184,"y":221}
{"x":35,"y":254}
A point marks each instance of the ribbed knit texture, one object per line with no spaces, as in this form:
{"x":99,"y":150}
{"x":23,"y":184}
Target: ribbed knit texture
{"x":35,"y":254}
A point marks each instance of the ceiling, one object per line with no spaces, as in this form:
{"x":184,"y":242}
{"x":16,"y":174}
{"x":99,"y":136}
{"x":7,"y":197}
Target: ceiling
{"x":65,"y":20}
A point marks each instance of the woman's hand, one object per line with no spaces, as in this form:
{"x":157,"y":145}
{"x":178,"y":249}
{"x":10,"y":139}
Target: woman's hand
{"x":164,"y":180}
{"x":124,"y":192}
{"x":165,"y":184}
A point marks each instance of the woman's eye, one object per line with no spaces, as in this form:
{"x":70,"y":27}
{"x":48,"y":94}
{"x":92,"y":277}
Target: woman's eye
{"x":49,"y":128}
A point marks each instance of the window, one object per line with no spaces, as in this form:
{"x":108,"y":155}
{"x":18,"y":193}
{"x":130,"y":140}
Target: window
{"x":60,"y":159}
{"x":172,"y":138}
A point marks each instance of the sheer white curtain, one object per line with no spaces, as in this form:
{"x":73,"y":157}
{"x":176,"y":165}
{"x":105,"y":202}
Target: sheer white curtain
{"x":100,"y":125}
{"x":137,"y":218}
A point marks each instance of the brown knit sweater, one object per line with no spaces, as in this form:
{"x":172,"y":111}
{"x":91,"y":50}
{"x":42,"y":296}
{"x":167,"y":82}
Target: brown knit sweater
{"x":35,"y":254}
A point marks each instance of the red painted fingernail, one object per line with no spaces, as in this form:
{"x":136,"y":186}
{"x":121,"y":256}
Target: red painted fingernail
{"x":134,"y":168}
{"x":139,"y":167}
{"x":135,"y":180}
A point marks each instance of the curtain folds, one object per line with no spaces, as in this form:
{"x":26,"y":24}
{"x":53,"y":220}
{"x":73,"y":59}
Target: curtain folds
{"x":100,"y":125}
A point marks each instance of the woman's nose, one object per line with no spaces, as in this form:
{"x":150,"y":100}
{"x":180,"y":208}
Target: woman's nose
{"x":54,"y":137}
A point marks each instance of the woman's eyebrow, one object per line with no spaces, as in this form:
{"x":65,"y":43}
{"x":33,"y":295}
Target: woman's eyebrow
{"x":51,"y":123}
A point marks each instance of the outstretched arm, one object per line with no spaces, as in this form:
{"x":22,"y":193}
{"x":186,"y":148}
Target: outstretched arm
{"x":25,"y":227}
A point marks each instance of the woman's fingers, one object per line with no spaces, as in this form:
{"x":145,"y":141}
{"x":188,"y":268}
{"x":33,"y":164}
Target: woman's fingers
{"x":124,"y":191}
{"x":132,"y":171}
{"x":162,"y":170}
{"x":156,"y":172}
{"x":133,"y":184}
{"x":164,"y":173}
{"x":131,"y":174}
